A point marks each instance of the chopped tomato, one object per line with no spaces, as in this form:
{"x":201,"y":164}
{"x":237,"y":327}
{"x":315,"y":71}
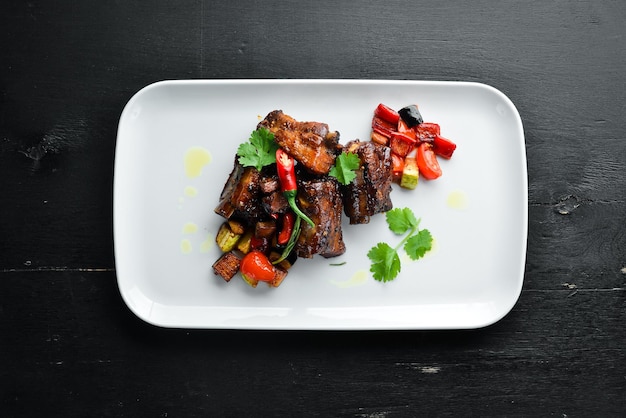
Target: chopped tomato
{"x":427,"y":162}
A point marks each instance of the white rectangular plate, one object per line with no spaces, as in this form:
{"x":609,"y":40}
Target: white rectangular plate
{"x":164,"y":223}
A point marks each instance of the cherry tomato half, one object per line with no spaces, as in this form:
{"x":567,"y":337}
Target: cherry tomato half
{"x":256,"y":266}
{"x":427,"y":162}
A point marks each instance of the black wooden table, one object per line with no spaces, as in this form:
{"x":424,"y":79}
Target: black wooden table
{"x":69,"y":346}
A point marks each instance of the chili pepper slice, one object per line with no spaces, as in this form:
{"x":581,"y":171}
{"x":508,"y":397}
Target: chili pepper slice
{"x":285,"y":166}
{"x":285,"y":233}
{"x":427,"y":161}
{"x":256,"y":266}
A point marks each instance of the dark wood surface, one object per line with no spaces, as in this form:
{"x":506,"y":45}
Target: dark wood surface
{"x":70,"y":347}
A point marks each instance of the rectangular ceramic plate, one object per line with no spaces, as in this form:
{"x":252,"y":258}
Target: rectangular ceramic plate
{"x":164,"y":224}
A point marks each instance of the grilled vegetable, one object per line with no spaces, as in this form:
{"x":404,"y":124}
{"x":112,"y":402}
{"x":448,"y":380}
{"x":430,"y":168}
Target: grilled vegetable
{"x":386,"y":113}
{"x":227,"y":265}
{"x":410,"y":173}
{"x":443,"y":147}
{"x":411,"y":115}
{"x":226,"y":239}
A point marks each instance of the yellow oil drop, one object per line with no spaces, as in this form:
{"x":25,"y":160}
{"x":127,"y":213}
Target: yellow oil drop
{"x":195,"y":160}
{"x":357,"y":279}
{"x":207,"y":244}
{"x":191,"y":191}
{"x":185,"y":246}
{"x":457,"y":200}
{"x":190,"y":228}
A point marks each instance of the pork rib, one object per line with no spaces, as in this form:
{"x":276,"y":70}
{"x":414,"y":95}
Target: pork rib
{"x":310,"y":143}
{"x":368,"y":194}
{"x":320,"y":199}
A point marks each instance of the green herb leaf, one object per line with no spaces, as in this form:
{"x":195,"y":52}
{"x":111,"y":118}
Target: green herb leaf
{"x":417,"y":245}
{"x":260,"y":151}
{"x":401,"y":220}
{"x":385,"y":262}
{"x":345,"y":166}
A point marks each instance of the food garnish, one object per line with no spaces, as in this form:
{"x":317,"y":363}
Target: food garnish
{"x":259,"y":151}
{"x":385,"y":259}
{"x":345,"y":166}
{"x":286,"y":168}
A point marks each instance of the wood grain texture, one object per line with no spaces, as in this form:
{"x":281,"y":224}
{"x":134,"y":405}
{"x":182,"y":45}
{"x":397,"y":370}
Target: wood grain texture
{"x":559,"y":352}
{"x":68,"y":344}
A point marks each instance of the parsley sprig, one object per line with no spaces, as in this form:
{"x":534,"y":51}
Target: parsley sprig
{"x":259,"y":151}
{"x":345,"y":166}
{"x":385,"y":259}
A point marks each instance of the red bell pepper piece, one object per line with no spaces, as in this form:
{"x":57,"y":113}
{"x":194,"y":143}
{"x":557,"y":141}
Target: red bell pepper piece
{"x":426,"y":132}
{"x":383,"y":127}
{"x":387,"y":114}
{"x":397,"y":166}
{"x":443,"y":147}
{"x":427,"y":161}
{"x":404,"y":128}
{"x":401,"y":144}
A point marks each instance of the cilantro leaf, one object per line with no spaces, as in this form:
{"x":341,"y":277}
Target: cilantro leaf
{"x":417,"y":245}
{"x":259,"y":151}
{"x":385,"y":262}
{"x":344,"y":169}
{"x":401,"y":220}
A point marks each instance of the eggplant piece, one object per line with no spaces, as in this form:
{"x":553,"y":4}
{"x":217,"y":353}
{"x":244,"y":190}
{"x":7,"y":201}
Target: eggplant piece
{"x":227,"y":265}
{"x":411,"y":115}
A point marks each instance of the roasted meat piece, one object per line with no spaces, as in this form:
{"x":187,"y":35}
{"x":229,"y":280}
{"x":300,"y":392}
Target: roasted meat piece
{"x":310,"y":143}
{"x":240,"y":197}
{"x":320,"y":199}
{"x":368,"y":194}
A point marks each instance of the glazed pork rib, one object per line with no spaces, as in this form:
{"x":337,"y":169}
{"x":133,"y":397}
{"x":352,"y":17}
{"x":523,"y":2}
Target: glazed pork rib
{"x":368,"y":194}
{"x":311,"y":143}
{"x":320,"y":199}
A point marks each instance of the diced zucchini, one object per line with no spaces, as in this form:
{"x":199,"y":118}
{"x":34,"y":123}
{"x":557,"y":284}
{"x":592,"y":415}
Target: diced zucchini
{"x":251,"y":282}
{"x":410,"y":174}
{"x":226,"y":239}
{"x":244,"y":242}
{"x":236,"y":226}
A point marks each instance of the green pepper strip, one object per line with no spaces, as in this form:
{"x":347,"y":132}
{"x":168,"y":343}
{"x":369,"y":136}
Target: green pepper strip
{"x":292,"y":241}
{"x":291,"y":198}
